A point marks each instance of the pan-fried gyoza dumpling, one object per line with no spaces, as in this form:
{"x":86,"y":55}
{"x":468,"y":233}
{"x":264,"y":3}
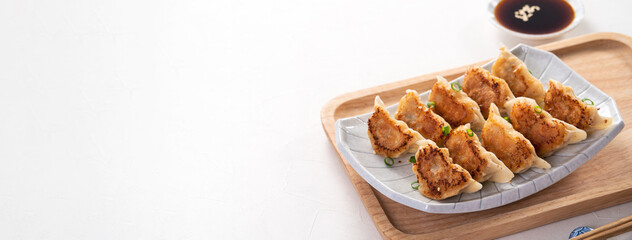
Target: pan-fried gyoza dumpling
{"x":562,"y":104}
{"x":485,"y":89}
{"x":467,"y":152}
{"x":420,"y":118}
{"x":511,"y":69}
{"x":509,"y":145}
{"x":546,"y":133}
{"x":438,"y":177}
{"x":454,"y":105}
{"x":389,"y":137}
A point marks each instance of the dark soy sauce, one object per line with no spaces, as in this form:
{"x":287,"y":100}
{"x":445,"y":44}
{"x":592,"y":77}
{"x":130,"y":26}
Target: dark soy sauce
{"x":542,"y":16}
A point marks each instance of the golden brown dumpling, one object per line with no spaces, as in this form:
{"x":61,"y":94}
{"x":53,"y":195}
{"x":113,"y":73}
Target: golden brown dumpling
{"x":454,"y":105}
{"x":509,"y":145}
{"x":546,"y":133}
{"x":438,"y":177}
{"x":511,"y":69}
{"x":467,"y":152}
{"x":485,"y":89}
{"x":389,"y":137}
{"x":562,"y":104}
{"x":420,"y":118}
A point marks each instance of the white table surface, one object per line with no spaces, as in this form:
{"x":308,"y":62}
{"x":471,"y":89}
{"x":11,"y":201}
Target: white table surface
{"x":201,"y":119}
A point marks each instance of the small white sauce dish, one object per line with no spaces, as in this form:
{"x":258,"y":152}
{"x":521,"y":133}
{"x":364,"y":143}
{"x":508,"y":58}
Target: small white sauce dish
{"x":577,"y":6}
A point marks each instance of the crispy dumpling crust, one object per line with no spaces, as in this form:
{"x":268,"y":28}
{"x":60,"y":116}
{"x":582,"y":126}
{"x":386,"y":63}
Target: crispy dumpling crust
{"x":420,"y":118}
{"x":455,"y":106}
{"x":515,"y":73}
{"x":467,"y":152}
{"x":562,"y":103}
{"x":543,"y":131}
{"x":389,"y":137}
{"x":485,"y":89}
{"x":438,"y":177}
{"x":509,"y":145}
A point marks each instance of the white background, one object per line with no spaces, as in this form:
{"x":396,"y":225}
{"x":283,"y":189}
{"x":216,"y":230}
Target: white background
{"x":200,"y":119}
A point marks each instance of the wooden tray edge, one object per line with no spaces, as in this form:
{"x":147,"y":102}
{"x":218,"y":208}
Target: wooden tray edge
{"x":370,"y":201}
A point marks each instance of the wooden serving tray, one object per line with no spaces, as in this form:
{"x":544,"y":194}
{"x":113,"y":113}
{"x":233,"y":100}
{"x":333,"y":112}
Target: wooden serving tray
{"x":604,"y":59}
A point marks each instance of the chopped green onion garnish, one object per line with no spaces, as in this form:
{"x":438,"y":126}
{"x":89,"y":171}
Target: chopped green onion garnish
{"x":507,"y":118}
{"x":415,"y":185}
{"x":469,"y":132}
{"x":530,"y":72}
{"x":446,"y":130}
{"x":456,"y":86}
{"x":430,"y":104}
{"x":538,"y":109}
{"x":389,"y":161}
{"x":412,"y":159}
{"x":588,"y":101}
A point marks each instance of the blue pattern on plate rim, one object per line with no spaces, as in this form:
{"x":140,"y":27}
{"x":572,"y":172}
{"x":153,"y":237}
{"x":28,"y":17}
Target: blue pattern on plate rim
{"x":579,"y":231}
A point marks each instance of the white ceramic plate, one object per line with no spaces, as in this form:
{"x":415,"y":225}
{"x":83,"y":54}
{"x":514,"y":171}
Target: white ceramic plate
{"x":394,"y":182}
{"x":577,"y":6}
